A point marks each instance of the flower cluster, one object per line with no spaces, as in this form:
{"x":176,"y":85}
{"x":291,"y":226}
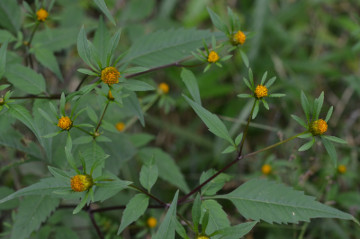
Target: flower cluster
{"x":81,"y":182}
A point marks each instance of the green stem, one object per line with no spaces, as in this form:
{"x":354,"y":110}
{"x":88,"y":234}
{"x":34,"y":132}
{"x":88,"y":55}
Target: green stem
{"x":83,"y":130}
{"x":102,"y":116}
{"x":149,"y":194}
{"x":29,"y":44}
{"x":246,"y":130}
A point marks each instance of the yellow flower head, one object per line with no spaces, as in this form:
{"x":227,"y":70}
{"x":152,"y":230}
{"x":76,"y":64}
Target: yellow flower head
{"x":80,"y":182}
{"x":203,"y":237}
{"x":2,"y":101}
{"x":64,"y":123}
{"x":261,"y":91}
{"x":213,"y":57}
{"x":151,"y":222}
{"x":163,"y":88}
{"x":120,"y":126}
{"x":110,"y":96}
{"x":341,"y":169}
{"x":110,"y":75}
{"x":239,"y":38}
{"x":42,"y":14}
{"x":318,"y":127}
{"x":266,"y":169}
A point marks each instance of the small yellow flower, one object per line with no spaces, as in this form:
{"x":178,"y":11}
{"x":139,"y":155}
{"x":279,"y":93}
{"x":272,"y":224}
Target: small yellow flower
{"x":213,"y":57}
{"x":163,"y":88}
{"x":341,"y":169}
{"x":42,"y":14}
{"x":64,"y":123}
{"x":110,"y":75}
{"x":2,"y":101}
{"x":110,"y":96}
{"x":318,"y":127}
{"x":80,"y":182}
{"x":120,"y":126}
{"x":239,"y":38}
{"x":203,"y":237}
{"x":266,"y":169}
{"x":261,"y":91}
{"x":151,"y":222}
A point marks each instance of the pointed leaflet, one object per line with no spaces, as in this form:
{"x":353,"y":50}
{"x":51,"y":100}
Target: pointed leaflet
{"x":218,"y":218}
{"x":260,"y":199}
{"x":149,"y":174}
{"x":134,"y":209}
{"x":108,"y":189}
{"x":330,"y":149}
{"x":167,"y":227}
{"x":48,"y":59}
{"x":239,"y":230}
{"x":191,"y":84}
{"x":101,"y":4}
{"x":32,"y":212}
{"x":216,"y":20}
{"x":3,"y":59}
{"x":83,"y":48}
{"x":215,"y":125}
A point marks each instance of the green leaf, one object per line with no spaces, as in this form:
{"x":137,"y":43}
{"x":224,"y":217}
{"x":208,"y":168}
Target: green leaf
{"x":44,"y":187}
{"x":134,"y":209}
{"x":167,"y":168}
{"x":229,"y":149}
{"x":55,"y":39}
{"x":107,"y":190}
{"x":238,"y":139}
{"x":218,"y":218}
{"x":307,"y":145}
{"x":3,"y":59}
{"x":84,"y":48}
{"x":216,"y":20}
{"x":48,"y":59}
{"x":330,"y":149}
{"x":305,"y":105}
{"x":305,"y":136}
{"x":168,"y":225}
{"x":10,"y":15}
{"x":25,"y":79}
{"x":260,"y":199}
{"x":33,"y":211}
{"x":265,"y":104}
{"x":196,"y":211}
{"x":300,"y":121}
{"x":113,"y":43}
{"x":166,"y":47}
{"x":263,"y":79}
{"x":149,"y":174}
{"x":212,"y":121}
{"x":244,"y":95}
{"x":256,"y":109}
{"x":82,"y":203}
{"x":247,"y":83}
{"x":251,"y":78}
{"x":334,"y":139}
{"x":215,"y":184}
{"x":277,"y":95}
{"x":101,"y":4}
{"x":6,"y":36}
{"x":133,"y":103}
{"x":329,"y":113}
{"x":180,"y":230}
{"x":136,"y":85}
{"x":191,"y":84}
{"x":58,"y":173}
{"x":244,"y":58}
{"x":270,"y":82}
{"x":239,"y":230}
{"x":320,"y":102}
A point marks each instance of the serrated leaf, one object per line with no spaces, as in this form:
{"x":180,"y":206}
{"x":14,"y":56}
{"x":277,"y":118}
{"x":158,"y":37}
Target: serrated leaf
{"x":307,"y":145}
{"x":168,"y":225}
{"x":10,"y":15}
{"x":48,"y":59}
{"x":25,"y":79}
{"x":136,"y":85}
{"x":44,"y":187}
{"x":165,"y":47}
{"x":168,"y":170}
{"x":212,"y":121}
{"x":330,"y":149}
{"x":134,"y":209}
{"x":239,"y":230}
{"x":101,"y":4}
{"x":133,"y":103}
{"x":216,"y":20}
{"x":32,"y":212}
{"x":180,"y":230}
{"x":3,"y":58}
{"x":191,"y":84}
{"x":260,"y":199}
{"x":83,"y":48}
{"x":218,"y":218}
{"x":149,"y":174}
{"x":106,"y":190}
{"x":215,"y":184}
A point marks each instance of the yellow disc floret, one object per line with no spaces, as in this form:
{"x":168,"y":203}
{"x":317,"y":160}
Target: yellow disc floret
{"x":163,"y":88}
{"x":341,"y":169}
{"x":266,"y":169}
{"x":213,"y":57}
{"x":2,"y":101}
{"x":42,"y":14}
{"x":65,"y":123}
{"x":110,"y":75}
{"x":151,"y":222}
{"x":80,"y":182}
{"x":203,"y":237}
{"x":318,"y":127}
{"x":239,"y":38}
{"x":120,"y":126}
{"x":261,"y":91}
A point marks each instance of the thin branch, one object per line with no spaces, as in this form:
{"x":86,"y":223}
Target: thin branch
{"x":102,"y":116}
{"x":50,"y":97}
{"x":98,"y":231}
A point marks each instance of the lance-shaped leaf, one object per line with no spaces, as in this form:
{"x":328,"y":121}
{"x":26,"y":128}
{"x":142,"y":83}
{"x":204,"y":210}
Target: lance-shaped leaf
{"x":168,"y":226}
{"x":191,"y":84}
{"x":101,"y":4}
{"x":215,"y":125}
{"x":238,"y":230}
{"x":260,"y":199}
{"x":134,"y":209}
